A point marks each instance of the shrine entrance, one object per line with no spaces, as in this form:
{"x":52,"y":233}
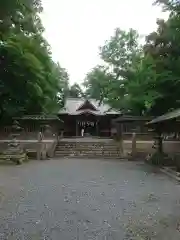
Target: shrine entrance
{"x":87,"y":126}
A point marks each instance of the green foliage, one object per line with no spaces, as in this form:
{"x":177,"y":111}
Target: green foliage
{"x":75,"y":91}
{"x":30,"y":81}
{"x":141,"y":79}
{"x":120,"y":51}
{"x":97,"y":83}
{"x":160,"y":159}
{"x":132,"y":78}
{"x":109,"y":82}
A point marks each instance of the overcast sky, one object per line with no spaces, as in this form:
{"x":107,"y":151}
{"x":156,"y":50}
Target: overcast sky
{"x":76,"y":28}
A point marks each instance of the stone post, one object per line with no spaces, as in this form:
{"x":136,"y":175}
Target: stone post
{"x":44,"y":144}
{"x":119,"y":136}
{"x":134,"y":147}
{"x":39,"y":147}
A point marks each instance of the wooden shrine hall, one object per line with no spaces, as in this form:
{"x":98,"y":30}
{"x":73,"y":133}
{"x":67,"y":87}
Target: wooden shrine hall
{"x":87,"y":115}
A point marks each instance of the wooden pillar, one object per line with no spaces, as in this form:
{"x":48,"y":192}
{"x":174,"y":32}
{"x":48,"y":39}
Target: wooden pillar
{"x":97,"y":127}
{"x":76,"y":127}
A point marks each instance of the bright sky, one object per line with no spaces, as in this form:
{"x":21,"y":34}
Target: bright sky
{"x":76,"y":28}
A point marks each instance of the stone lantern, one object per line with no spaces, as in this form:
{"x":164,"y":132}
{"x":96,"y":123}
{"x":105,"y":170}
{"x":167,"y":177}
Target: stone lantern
{"x":14,"y":151}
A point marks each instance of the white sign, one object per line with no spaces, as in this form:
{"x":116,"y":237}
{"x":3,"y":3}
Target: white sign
{"x":86,"y":124}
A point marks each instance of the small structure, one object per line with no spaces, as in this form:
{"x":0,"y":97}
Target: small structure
{"x":88,"y":114}
{"x":131,"y":128}
{"x":128,"y":124}
{"x":32,"y":125}
{"x":36,"y":123}
{"x":167,"y":128}
{"x":167,"y":124}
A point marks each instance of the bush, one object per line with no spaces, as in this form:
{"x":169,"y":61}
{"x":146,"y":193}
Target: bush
{"x":159,"y":159}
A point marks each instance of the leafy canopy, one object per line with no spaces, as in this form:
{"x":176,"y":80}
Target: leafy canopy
{"x":141,"y":79}
{"x":31,"y":82}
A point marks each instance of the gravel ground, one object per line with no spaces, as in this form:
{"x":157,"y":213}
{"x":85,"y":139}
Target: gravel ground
{"x":87,"y":200}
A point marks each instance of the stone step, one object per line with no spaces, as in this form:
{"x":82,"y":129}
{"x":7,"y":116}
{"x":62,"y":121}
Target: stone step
{"x":89,"y":157}
{"x":87,"y":148}
{"x":87,"y":151}
{"x":75,"y":153}
{"x":86,"y":145}
{"x":84,"y":154}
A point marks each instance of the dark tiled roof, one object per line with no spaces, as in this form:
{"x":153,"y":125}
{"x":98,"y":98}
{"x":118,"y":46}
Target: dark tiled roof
{"x":168,"y":116}
{"x":130,"y":118}
{"x":38,"y":117}
{"x":73,"y":104}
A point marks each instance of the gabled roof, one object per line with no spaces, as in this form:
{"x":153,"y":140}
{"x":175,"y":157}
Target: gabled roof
{"x":87,"y":105}
{"x":168,"y":116}
{"x":73,"y":107}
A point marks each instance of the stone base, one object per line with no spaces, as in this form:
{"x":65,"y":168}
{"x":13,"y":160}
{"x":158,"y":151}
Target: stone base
{"x":16,"y":158}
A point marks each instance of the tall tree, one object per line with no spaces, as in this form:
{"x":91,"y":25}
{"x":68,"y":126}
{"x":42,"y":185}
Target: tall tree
{"x":20,"y":16}
{"x":120,"y":52}
{"x":142,"y":80}
{"x":30,"y":81}
{"x":119,"y":55}
{"x":163,"y":46}
{"x":96,"y":83}
{"x":75,"y":91}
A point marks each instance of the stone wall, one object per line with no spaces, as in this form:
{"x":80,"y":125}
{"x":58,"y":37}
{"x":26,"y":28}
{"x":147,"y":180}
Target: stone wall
{"x":171,"y":146}
{"x":146,"y":146}
{"x":139,"y":136}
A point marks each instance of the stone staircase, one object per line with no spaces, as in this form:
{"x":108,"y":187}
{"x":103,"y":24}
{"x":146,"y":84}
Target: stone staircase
{"x":88,"y":149}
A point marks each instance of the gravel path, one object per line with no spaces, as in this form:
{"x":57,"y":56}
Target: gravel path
{"x":87,"y":200}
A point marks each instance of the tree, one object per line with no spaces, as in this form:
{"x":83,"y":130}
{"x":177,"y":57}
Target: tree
{"x":171,"y":5}
{"x":20,"y":16}
{"x":143,"y":80}
{"x":96,"y":83}
{"x":163,"y":46}
{"x":75,"y":91}
{"x":30,"y":81}
{"x":119,"y":54}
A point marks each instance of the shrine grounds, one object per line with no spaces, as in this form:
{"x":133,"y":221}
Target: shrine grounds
{"x":87,"y":199}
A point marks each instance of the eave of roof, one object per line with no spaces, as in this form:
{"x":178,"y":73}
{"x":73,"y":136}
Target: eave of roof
{"x":39,"y":117}
{"x":87,"y":111}
{"x":166,"y":117}
{"x":130,"y":118}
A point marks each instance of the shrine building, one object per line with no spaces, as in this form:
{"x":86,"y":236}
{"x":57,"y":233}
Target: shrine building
{"x":93,"y":117}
